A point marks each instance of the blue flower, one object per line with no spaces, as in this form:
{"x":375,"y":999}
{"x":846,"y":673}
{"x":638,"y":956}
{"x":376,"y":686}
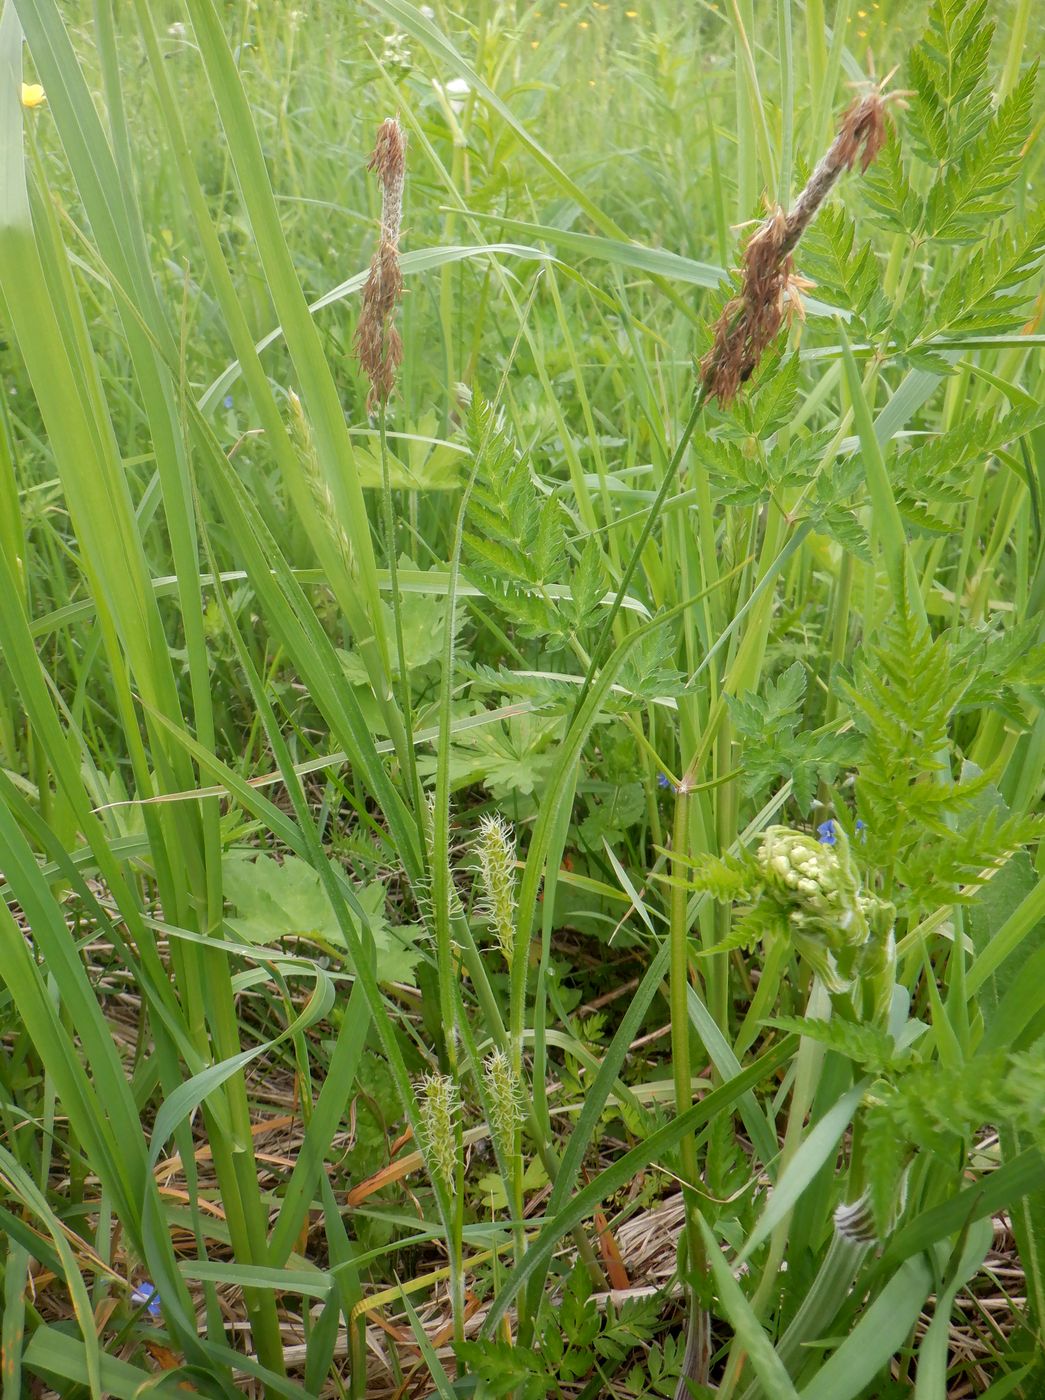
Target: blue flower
{"x":665,"y":782}
{"x":828,"y":836}
{"x":145,"y":1295}
{"x":227,"y":400}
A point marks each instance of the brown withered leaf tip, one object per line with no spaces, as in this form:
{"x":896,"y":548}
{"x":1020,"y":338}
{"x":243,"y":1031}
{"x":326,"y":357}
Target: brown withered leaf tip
{"x":751,"y":320}
{"x":377,"y":342}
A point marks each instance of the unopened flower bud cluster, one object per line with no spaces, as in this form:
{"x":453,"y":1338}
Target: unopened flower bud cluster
{"x":843,"y":932}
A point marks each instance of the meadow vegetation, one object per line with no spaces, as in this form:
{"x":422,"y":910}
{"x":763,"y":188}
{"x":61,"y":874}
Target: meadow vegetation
{"x":522,"y":699}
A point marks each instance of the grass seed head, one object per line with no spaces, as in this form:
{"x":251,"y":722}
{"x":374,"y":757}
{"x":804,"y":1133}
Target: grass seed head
{"x":439,"y":1105}
{"x":769,"y":288}
{"x":506,"y":1113}
{"x":496,"y":851}
{"x":377,"y":341}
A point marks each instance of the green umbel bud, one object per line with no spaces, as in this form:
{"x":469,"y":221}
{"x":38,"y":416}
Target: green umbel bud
{"x":505,"y":1106}
{"x":439,"y":1108}
{"x":496,"y":851}
{"x":817,"y":890}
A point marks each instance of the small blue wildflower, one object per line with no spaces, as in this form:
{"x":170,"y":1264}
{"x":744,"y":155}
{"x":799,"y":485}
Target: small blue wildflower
{"x":828,"y":836}
{"x":227,"y":400}
{"x":665,"y":782}
{"x":145,"y":1295}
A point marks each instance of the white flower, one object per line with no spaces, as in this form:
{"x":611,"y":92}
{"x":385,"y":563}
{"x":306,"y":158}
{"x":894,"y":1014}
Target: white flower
{"x":397,"y":51}
{"x":427,"y":11}
{"x":457,"y":91}
{"x":176,"y":30}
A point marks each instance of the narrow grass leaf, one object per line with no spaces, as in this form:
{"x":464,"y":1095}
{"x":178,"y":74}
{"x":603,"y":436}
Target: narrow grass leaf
{"x":749,"y":1333}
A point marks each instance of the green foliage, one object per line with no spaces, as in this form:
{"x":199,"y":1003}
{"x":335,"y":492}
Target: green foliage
{"x":886,"y":1154}
{"x":988,"y":295}
{"x":199,"y":607}
{"x":577,"y":1336}
{"x":888,"y":191}
{"x":979,"y":168}
{"x":867,"y":1046}
{"x":940,"y":1107}
{"x":973,"y":149}
{"x":948,"y":70}
{"x":610,"y":818}
{"x":846,"y":275}
{"x":275,"y":900}
{"x":773,"y":746}
{"x":505,"y":1369}
{"x":725,"y":878}
{"x":513,"y":758}
{"x":931,"y":477}
{"x":771,"y":399}
{"x":903,"y":699}
{"x":516,"y":540}
{"x":576,"y":1339}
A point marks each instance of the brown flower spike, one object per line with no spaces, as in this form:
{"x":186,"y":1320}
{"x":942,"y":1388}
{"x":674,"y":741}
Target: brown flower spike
{"x":378,"y":346}
{"x":752,"y":319}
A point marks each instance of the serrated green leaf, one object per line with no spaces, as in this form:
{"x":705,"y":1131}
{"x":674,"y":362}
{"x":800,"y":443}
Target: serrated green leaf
{"x":972,"y":190}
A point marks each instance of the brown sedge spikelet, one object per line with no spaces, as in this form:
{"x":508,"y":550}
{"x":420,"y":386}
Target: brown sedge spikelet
{"x":379,"y":348}
{"x":751,"y":320}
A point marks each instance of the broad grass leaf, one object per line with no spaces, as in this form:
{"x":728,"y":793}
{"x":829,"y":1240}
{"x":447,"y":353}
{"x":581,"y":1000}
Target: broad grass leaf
{"x":881,"y":1332}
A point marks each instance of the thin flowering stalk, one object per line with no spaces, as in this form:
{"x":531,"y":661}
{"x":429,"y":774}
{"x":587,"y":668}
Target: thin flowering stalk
{"x":379,"y":350}
{"x":405,"y":697}
{"x":497,"y":905}
{"x":769,"y":294}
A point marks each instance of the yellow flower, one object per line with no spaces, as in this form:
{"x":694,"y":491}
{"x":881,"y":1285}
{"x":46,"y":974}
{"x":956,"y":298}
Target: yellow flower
{"x":32,"y":95}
